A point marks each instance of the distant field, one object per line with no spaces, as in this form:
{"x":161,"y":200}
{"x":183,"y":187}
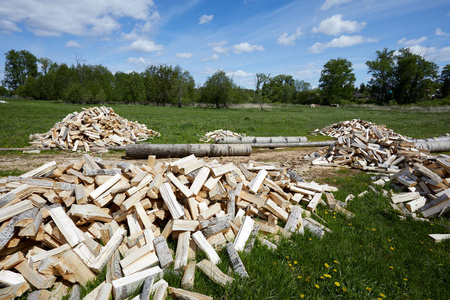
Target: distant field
{"x":20,"y":118}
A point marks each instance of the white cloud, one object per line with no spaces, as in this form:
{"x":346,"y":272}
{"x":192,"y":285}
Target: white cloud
{"x":286,"y":39}
{"x":246,"y":47}
{"x":340,"y":42}
{"x":212,"y":57}
{"x":330,"y":3}
{"x":411,"y":42}
{"x":219,"y":46}
{"x":335,"y":25}
{"x":309,"y":69}
{"x":421,"y":50}
{"x":143,"y":45}
{"x":209,"y":70}
{"x":8,"y":26}
{"x":205,"y":19}
{"x":239,"y":73}
{"x":441,"y":32}
{"x":80,"y":18}
{"x":443,"y":54}
{"x":184,"y":55}
{"x":73,"y":44}
{"x":137,"y":60}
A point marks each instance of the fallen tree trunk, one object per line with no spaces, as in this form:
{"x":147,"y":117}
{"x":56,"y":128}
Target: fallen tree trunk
{"x":182,"y":150}
{"x":260,"y":140}
{"x":305,"y":144}
{"x":434,"y":145}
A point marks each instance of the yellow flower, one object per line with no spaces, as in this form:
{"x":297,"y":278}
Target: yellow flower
{"x":389,"y":240}
{"x":405,"y":279}
{"x":373,"y":229}
{"x":334,"y":270}
{"x":431,"y":224}
{"x":295,"y":262}
{"x":290,"y":265}
{"x":431,"y":250}
{"x":316,"y":286}
{"x":335,"y":261}
{"x":310,"y":239}
{"x":299,"y":276}
{"x":349,"y":224}
{"x":274,"y":263}
{"x":391,"y":267}
{"x":392,"y":248}
{"x":344,"y":289}
{"x":302,"y":296}
{"x":287,"y":256}
{"x":326,"y":213}
{"x":368,"y":288}
{"x":321,"y":277}
{"x":382,"y":295}
{"x":337,"y":283}
{"x":327,"y":275}
{"x":326,"y":265}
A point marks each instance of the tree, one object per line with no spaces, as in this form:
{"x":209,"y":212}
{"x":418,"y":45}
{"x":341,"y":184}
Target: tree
{"x":382,"y":71}
{"x":279,"y":88}
{"x":413,"y":77}
{"x":19,"y":65}
{"x":185,"y":85}
{"x":3,"y":91}
{"x":260,"y":78}
{"x":445,"y":81}
{"x":337,"y":80}
{"x":45,"y":64}
{"x":217,"y":90}
{"x":304,"y":92}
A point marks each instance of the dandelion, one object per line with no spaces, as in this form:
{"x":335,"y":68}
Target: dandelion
{"x":421,"y":242}
{"x":295,"y":262}
{"x":337,"y":284}
{"x":389,"y":240}
{"x":287,"y":257}
{"x":274,"y":263}
{"x":334,"y":270}
{"x":349,"y":224}
{"x":326,"y":265}
{"x":334,"y":217}
{"x":344,"y":289}
{"x":321,"y":277}
{"x":391,"y":267}
{"x":431,"y":224}
{"x":326,"y":213}
{"x":392,"y":248}
{"x":310,"y":239}
{"x":368,"y":288}
{"x":382,"y":295}
{"x":299,"y":276}
{"x":317,"y":286}
{"x":335,"y":261}
{"x":302,"y":296}
{"x":431,"y":250}
{"x":373,"y":229}
{"x":290,"y":265}
{"x":405,"y":279}
{"x":327,"y":275}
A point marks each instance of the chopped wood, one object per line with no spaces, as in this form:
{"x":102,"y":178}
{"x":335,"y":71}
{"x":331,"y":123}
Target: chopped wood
{"x":159,"y":290}
{"x":439,"y":237}
{"x":214,"y":273}
{"x":206,"y":247}
{"x":236,"y":261}
{"x":125,"y":286}
{"x":243,"y":233}
{"x":187,"y":282}
{"x":181,"y":255}
{"x":187,"y":295}
{"x":163,"y":251}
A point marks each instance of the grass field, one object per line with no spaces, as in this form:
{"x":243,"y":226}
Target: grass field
{"x":374,"y":255}
{"x":20,"y":118}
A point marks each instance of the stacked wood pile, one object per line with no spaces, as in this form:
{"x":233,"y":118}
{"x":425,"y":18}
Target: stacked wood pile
{"x":66,"y":223}
{"x":371,"y":147}
{"x":96,"y":127}
{"x":219,"y":133}
{"x":428,"y":184}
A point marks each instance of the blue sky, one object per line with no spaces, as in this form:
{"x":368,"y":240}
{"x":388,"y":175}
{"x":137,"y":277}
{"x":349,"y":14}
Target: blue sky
{"x":241,"y":37}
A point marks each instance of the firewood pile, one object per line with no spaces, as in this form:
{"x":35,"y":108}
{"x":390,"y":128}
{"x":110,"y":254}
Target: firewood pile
{"x":370,"y":147}
{"x":92,"y":129}
{"x":66,"y":223}
{"x":219,"y":133}
{"x":428,"y":185}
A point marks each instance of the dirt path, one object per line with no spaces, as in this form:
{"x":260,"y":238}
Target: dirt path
{"x":289,"y":158}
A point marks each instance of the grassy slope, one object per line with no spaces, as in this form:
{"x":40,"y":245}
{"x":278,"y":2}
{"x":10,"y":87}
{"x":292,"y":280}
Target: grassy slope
{"x":20,"y":118}
{"x":358,"y":255}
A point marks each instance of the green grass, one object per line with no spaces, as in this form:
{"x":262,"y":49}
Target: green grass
{"x":360,"y":252}
{"x":357,"y":256}
{"x":20,"y":118}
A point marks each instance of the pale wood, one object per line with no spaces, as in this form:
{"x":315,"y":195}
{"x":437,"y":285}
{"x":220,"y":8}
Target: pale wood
{"x":169,"y":198}
{"x":123,"y":287}
{"x":56,"y":251}
{"x":414,"y":205}
{"x":15,"y":209}
{"x":66,"y":226}
{"x":104,"y":187}
{"x":185,"y":225}
{"x":146,"y":288}
{"x":138,"y":260}
{"x":33,"y":277}
{"x":41,"y":170}
{"x":216,"y":225}
{"x":405,"y":197}
{"x":236,"y":261}
{"x":132,"y":200}
{"x":75,"y":293}
{"x":276,"y":210}
{"x":187,"y":295}
{"x":314,"y":202}
{"x":258,"y":201}
{"x":211,"y":182}
{"x":295,"y":218}
{"x":187,"y":282}
{"x":163,"y":251}
{"x":181,"y":255}
{"x":244,"y":233}
{"x":251,"y":241}
{"x":220,"y":170}
{"x":214,"y":273}
{"x":183,"y":189}
{"x":201,"y":242}
{"x":90,"y":213}
{"x":193,"y":208}
{"x":160,"y":290}
{"x":107,"y":251}
{"x":255,"y":184}
{"x":269,"y":244}
{"x":211,"y":211}
{"x":40,"y":295}
{"x":73,"y":269}
{"x":439,"y":237}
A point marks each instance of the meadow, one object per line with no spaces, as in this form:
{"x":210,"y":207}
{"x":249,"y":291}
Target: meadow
{"x":372,"y":256}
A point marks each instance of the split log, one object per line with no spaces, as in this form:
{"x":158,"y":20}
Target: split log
{"x":261,"y":140}
{"x":214,"y":273}
{"x":187,"y":295}
{"x":236,"y":261}
{"x":125,"y":286}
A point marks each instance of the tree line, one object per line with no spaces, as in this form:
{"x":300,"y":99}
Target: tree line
{"x":396,"y":75}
